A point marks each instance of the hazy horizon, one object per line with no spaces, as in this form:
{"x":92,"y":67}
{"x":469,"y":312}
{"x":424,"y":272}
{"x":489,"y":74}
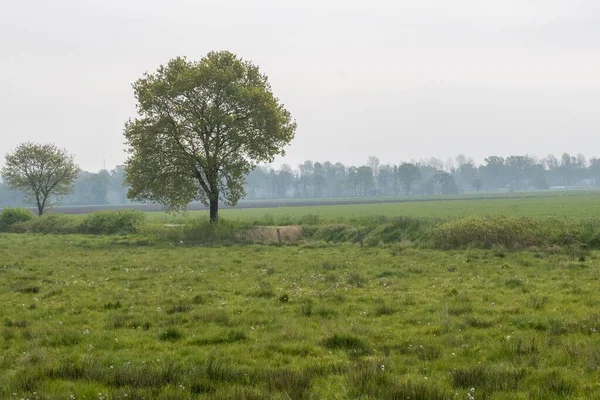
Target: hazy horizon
{"x":398,"y":80}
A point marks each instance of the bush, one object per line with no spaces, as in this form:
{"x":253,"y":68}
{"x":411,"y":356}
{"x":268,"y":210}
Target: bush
{"x":333,"y":232}
{"x":113,"y":222}
{"x":12,"y":216}
{"x":202,"y":231}
{"x":512,"y":232}
{"x":398,"y":229}
{"x":50,"y":223}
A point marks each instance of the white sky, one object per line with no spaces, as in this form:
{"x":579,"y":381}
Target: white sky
{"x":404,"y":79}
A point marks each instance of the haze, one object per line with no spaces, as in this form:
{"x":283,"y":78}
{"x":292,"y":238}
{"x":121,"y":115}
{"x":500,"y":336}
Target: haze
{"x":399,"y":80}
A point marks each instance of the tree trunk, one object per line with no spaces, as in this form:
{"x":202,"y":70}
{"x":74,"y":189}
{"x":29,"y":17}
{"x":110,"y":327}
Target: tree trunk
{"x":40,"y":205}
{"x":214,"y":210}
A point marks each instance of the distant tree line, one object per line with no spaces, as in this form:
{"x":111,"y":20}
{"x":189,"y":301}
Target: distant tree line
{"x":423,"y":178}
{"x":328,"y":179}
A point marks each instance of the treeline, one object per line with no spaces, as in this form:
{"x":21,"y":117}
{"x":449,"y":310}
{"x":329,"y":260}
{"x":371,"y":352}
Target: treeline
{"x":328,"y":179}
{"x":423,"y":178}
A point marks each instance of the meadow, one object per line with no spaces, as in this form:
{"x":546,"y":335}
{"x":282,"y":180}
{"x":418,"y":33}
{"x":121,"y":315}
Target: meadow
{"x":561,"y":204}
{"x":103,"y":317}
{"x":478,"y":306}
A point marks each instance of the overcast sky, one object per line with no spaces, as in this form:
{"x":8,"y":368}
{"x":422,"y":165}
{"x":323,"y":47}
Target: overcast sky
{"x":401,"y":80}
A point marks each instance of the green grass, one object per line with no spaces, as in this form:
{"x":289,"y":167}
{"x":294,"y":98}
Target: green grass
{"x":577,"y":205}
{"x":100,"y":317}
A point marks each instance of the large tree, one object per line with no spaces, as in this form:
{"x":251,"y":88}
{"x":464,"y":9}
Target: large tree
{"x":40,"y":172}
{"x":201,"y":128}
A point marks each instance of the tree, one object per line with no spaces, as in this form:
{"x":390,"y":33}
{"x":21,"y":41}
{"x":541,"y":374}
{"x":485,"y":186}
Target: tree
{"x":99,"y":187}
{"x":477,"y":184}
{"x":353,"y":179}
{"x":494,"y":169}
{"x":40,"y":171}
{"x":364,"y":176}
{"x":117,"y":184}
{"x":595,"y":170}
{"x":201,"y":128}
{"x":373,"y":163}
{"x":384,"y":177}
{"x":306,"y":174}
{"x":446,"y":182}
{"x":408,"y":174}
{"x":319,"y":179}
{"x":285,"y":180}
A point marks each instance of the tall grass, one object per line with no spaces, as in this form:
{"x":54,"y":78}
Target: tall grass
{"x":512,"y":232}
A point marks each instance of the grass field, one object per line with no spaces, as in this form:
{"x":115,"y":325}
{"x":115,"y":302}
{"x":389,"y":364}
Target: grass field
{"x":101,"y":317}
{"x":569,"y":204}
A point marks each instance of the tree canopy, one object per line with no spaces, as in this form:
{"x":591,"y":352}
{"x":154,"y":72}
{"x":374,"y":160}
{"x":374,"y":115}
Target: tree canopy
{"x":201,"y":128}
{"x":40,"y":171}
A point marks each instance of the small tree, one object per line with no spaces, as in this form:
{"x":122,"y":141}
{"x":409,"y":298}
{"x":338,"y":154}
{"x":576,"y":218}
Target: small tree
{"x":202,"y":127}
{"x":40,"y":171}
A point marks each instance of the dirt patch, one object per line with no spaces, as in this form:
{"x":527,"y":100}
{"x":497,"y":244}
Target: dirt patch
{"x":268,"y":234}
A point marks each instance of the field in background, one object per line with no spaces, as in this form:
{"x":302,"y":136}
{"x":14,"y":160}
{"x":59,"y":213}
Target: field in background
{"x":102,"y":317}
{"x":578,"y":205}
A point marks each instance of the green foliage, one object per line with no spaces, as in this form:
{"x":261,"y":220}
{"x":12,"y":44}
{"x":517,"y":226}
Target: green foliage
{"x":372,"y":230}
{"x":408,"y":174}
{"x":333,"y":232}
{"x":506,"y":231}
{"x":12,"y":216}
{"x":399,"y":229}
{"x":40,"y":171}
{"x":202,"y":127}
{"x":51,"y":224}
{"x":113,"y":222}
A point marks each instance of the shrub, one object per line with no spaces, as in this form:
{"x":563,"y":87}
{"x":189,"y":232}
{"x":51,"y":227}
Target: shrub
{"x":512,"y":232}
{"x":50,"y":224}
{"x":202,"y":231}
{"x":372,"y":230}
{"x":113,"y":222}
{"x":400,"y":228}
{"x":12,"y":216}
{"x":333,"y":232}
